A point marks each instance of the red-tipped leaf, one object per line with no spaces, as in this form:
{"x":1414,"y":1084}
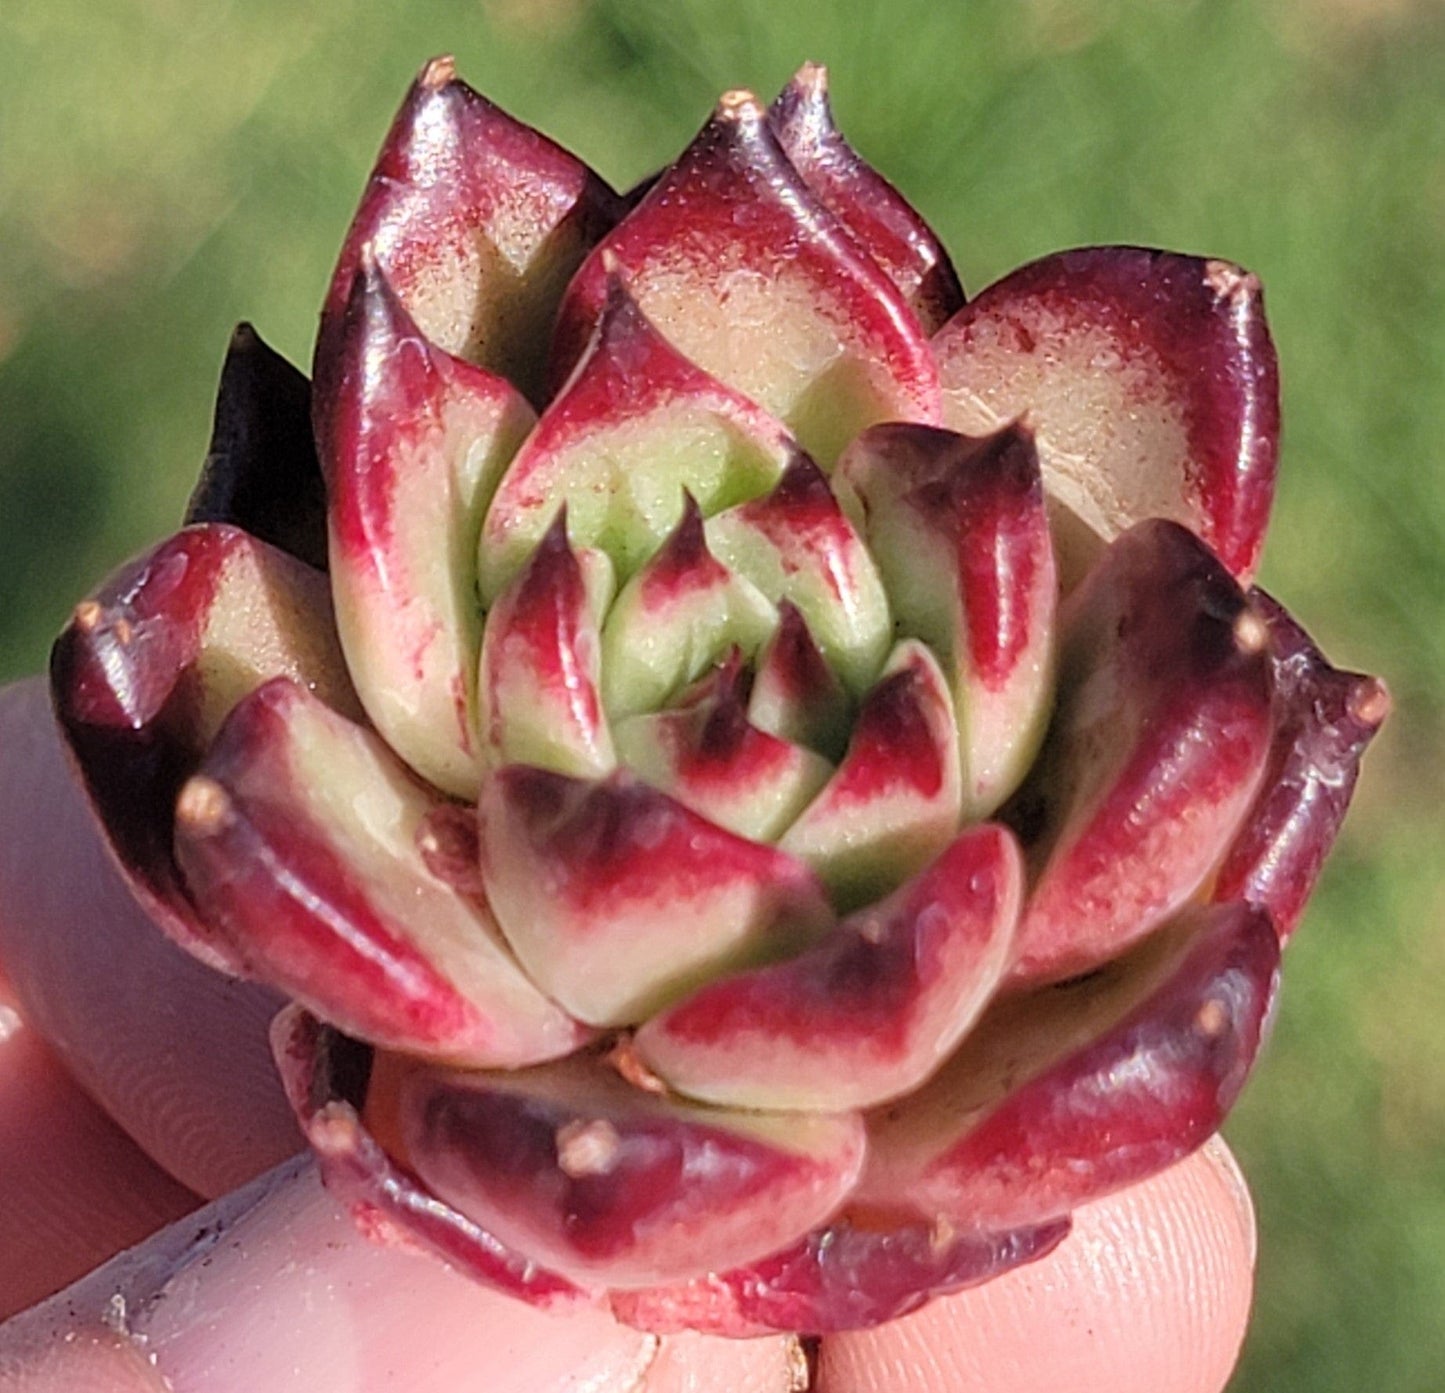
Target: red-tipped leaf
{"x":1150,"y":382}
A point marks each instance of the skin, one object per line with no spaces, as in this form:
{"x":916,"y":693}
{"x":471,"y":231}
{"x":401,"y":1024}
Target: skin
{"x":269,"y":1286}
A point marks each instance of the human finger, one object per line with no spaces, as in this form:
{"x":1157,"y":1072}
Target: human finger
{"x":175,"y":1053}
{"x":274,"y":1288}
{"x":1150,"y":1293}
{"x":76,"y":1189}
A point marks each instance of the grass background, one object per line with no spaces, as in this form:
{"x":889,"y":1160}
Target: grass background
{"x":167,"y":169}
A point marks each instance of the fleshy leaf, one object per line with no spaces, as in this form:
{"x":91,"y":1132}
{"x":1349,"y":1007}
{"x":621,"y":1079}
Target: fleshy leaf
{"x":539,"y":694}
{"x":797,"y":544}
{"x":617,"y":899}
{"x":478,"y":221}
{"x":261,"y":473}
{"x":1150,"y":382}
{"x":843,"y":1276}
{"x":609,"y":1184}
{"x":149,"y":667}
{"x":707,"y":754}
{"x":877,"y":216}
{"x":1065,"y":1094}
{"x":674,"y":619}
{"x":959,"y":530}
{"x":413,"y":442}
{"x":634,"y":427}
{"x":326,"y":1078}
{"x":305,"y":841}
{"x":1324,"y":719}
{"x":1158,"y":745}
{"x":796,"y":695}
{"x":869,"y":1012}
{"x":894,"y":802}
{"x":747,"y":273}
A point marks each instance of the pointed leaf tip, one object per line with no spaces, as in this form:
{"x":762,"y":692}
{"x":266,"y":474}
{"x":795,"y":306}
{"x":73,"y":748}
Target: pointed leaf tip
{"x":879,"y":219}
{"x":479,"y":221}
{"x":438,"y":73}
{"x":736,"y":261}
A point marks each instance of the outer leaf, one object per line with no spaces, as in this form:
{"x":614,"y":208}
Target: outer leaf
{"x":1155,"y":753}
{"x":147,"y":670}
{"x":326,"y":1076}
{"x":843,"y":1276}
{"x":878,"y":217}
{"x":478,"y":221}
{"x":614,"y":1186}
{"x":1150,"y":382}
{"x":413,"y":442}
{"x":1324,"y":719}
{"x":1062,"y":1096}
{"x":261,"y":473}
{"x":315,"y":851}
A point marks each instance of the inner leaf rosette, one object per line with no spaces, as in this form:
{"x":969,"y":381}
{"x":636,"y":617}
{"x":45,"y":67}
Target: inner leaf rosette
{"x":759,"y":830}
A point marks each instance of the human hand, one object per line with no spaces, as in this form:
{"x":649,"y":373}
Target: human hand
{"x":134,"y":1082}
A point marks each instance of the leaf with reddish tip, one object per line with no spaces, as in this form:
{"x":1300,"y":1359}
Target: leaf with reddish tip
{"x":798,"y":545}
{"x":413,"y":442}
{"x":894,"y":802}
{"x":635,"y":426}
{"x":747,"y":273}
{"x":1155,"y":752}
{"x":707,"y":754}
{"x":844,"y":1276}
{"x":868,"y":1013}
{"x":539,"y":696}
{"x":1324,"y":719}
{"x":147,"y":670}
{"x":261,"y":473}
{"x":608,"y":1184}
{"x":304,"y":841}
{"x":796,"y":695}
{"x":675,"y":618}
{"x":877,"y":216}
{"x":959,"y":530}
{"x":618,"y":899}
{"x":1150,"y":381}
{"x":479,"y":223}
{"x":326,"y":1078}
{"x":1067,"y":1093}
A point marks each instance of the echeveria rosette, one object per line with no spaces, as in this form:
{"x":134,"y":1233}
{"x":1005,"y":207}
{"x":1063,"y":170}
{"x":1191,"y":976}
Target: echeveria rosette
{"x":767,"y":783}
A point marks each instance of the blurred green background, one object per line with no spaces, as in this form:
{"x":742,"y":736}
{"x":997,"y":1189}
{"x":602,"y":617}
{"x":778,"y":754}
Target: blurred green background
{"x":168,"y":168}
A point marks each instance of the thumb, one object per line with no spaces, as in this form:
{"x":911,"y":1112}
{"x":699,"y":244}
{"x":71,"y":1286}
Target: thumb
{"x":274,"y":1288}
{"x":1150,"y":1293}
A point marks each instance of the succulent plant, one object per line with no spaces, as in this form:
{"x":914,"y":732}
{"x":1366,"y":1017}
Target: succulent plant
{"x":767,"y":782}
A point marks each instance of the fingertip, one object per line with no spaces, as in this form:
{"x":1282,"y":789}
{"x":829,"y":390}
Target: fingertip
{"x":149,"y":1033}
{"x":74,"y":1189}
{"x":274,"y":1288}
{"x":1149,"y":1294}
